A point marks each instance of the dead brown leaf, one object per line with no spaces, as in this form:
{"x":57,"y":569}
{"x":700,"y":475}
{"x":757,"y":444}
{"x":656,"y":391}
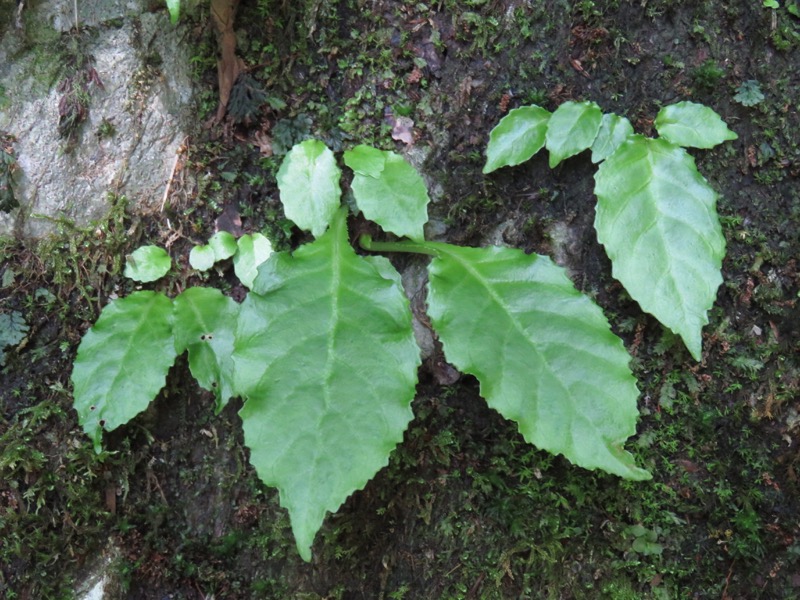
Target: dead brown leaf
{"x":402,"y":129}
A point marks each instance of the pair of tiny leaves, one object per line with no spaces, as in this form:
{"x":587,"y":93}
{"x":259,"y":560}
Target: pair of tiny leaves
{"x":656,"y":215}
{"x":248,"y":252}
{"x":386,"y":189}
{"x":150,"y":263}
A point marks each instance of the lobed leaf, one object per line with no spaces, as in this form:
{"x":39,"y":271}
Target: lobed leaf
{"x":543,"y":352}
{"x":308,"y":180}
{"x":389,"y":191}
{"x":326,"y":358}
{"x":656,"y":216}
{"x":122,"y":362}
{"x":205,"y":324}
{"x":613,"y":131}
{"x":517,"y":137}
{"x":572,"y":129}
{"x":692,"y":125}
{"x":147,"y":264}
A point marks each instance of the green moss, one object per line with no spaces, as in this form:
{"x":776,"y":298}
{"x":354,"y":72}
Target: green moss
{"x":708,"y":75}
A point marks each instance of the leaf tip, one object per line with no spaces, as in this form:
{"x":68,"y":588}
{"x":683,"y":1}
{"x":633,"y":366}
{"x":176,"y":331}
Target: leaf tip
{"x":638,"y":474}
{"x":304,"y":552}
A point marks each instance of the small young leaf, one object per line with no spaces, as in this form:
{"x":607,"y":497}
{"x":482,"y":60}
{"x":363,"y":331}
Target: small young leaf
{"x":389,"y":191}
{"x":122,"y":362}
{"x":205,"y":323}
{"x":326,"y":357}
{"x":252,"y":251}
{"x":516,"y":138}
{"x":366,"y":160}
{"x":147,"y":263}
{"x":202,"y":258}
{"x":692,"y":126}
{"x":223,"y":244}
{"x":542,"y":351}
{"x":308,"y":180}
{"x":656,"y":216}
{"x":613,"y":131}
{"x":572,"y":129}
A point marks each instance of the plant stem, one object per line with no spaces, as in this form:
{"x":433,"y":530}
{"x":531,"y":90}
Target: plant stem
{"x":367,"y":243}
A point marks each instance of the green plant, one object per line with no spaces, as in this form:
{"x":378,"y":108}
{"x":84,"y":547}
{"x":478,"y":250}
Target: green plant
{"x":656,"y":215}
{"x":749,"y":93}
{"x":12,"y":331}
{"x":323,"y":352}
{"x":707,"y":75}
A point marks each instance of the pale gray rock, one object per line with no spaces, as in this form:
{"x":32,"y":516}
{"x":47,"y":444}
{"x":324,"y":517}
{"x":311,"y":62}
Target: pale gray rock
{"x":100,"y":580}
{"x":143,"y":63}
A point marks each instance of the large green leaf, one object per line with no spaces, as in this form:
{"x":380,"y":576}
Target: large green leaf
{"x":517,"y":137}
{"x":656,"y":216}
{"x":572,"y":129}
{"x":122,"y":362}
{"x":309,"y":184}
{"x":205,"y":324}
{"x":389,"y":191}
{"x":326,"y":358}
{"x":692,"y":125}
{"x":542,"y":351}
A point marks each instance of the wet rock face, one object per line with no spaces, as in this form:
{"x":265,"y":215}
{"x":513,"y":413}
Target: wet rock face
{"x":94,"y":113}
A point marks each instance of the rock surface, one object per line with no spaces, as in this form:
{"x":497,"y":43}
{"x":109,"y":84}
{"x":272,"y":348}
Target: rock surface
{"x":134,"y":123}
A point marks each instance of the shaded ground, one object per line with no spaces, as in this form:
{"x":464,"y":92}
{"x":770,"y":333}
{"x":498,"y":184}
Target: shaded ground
{"x":465,"y":509}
